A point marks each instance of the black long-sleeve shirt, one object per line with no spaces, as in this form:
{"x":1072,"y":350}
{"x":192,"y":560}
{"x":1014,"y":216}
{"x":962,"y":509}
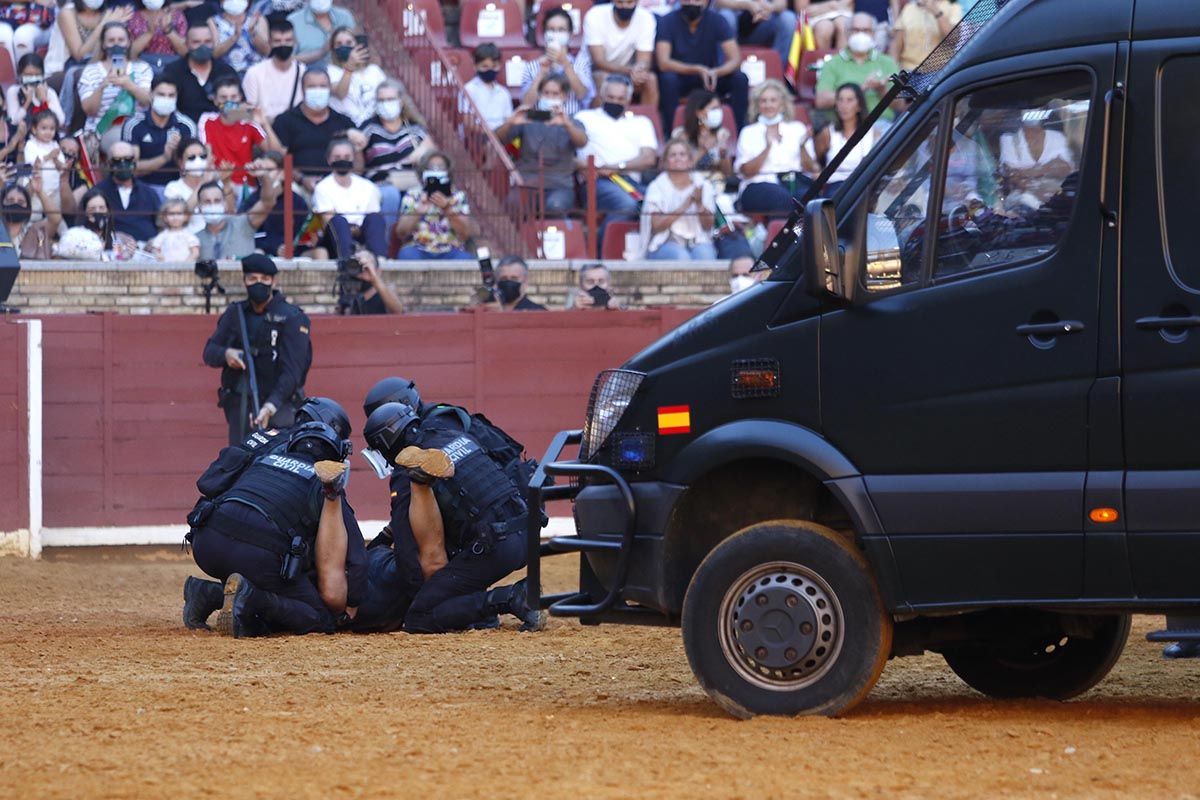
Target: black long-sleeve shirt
{"x":280,"y":345}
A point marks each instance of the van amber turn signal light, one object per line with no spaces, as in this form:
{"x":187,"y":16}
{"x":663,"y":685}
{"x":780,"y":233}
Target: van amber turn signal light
{"x":1104,"y":515}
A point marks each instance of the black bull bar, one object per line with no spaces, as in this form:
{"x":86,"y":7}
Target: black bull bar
{"x":580,"y":603}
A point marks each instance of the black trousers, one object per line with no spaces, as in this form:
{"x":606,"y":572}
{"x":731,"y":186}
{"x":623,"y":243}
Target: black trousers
{"x":455,"y":596}
{"x":393,"y":579}
{"x":285,"y":606}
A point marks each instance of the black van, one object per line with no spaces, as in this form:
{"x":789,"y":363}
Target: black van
{"x":958,"y":416}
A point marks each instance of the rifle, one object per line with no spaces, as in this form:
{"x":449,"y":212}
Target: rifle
{"x":249,"y":356}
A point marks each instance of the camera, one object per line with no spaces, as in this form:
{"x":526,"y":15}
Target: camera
{"x":206,"y":269}
{"x":349,"y":267}
{"x":349,"y":282}
{"x":210,"y":279}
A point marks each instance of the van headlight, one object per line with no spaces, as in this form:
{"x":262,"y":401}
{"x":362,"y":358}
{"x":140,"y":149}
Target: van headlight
{"x":611,"y":395}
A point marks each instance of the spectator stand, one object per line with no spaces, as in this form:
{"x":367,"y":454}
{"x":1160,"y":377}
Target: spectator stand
{"x":482,"y":166}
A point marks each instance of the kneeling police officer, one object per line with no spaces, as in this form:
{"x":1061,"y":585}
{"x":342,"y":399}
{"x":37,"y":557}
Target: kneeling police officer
{"x":281,"y":537}
{"x":468,"y":520}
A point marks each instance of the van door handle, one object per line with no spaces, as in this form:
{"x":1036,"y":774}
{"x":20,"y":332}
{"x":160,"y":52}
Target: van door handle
{"x":1161,"y":323}
{"x":1060,"y":328}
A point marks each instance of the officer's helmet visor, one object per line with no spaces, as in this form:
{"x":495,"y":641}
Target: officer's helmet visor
{"x":378,"y":463}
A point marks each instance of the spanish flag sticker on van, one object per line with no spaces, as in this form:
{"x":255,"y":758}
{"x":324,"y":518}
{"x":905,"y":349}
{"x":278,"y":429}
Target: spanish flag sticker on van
{"x":674,"y":419}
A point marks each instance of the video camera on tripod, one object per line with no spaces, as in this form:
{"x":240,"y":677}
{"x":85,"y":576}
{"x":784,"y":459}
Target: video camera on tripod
{"x":210,"y":278}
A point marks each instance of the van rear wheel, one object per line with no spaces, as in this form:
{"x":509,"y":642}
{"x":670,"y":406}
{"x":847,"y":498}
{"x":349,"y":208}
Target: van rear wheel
{"x":784,"y":618}
{"x":1063,"y":656}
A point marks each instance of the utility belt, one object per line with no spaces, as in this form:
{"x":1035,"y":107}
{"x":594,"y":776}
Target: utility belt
{"x":489,"y":534}
{"x":296,"y":552}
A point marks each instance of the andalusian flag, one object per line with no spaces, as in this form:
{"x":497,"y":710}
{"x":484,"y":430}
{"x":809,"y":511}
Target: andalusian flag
{"x":802,"y":41}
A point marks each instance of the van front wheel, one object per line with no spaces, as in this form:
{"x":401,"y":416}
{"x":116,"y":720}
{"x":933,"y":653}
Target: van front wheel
{"x":1062,"y":656}
{"x":784,"y":618}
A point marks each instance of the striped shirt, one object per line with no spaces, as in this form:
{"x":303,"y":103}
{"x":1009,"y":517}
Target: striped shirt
{"x":387,"y":151}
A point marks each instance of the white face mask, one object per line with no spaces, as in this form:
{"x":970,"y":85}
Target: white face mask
{"x":196,"y":164}
{"x":31,"y":80}
{"x":235,"y":8}
{"x":163,"y":106}
{"x":775,"y":120}
{"x":316,"y":98}
{"x":388,"y":109}
{"x":714,"y":118}
{"x":548,"y":104}
{"x":153,"y":5}
{"x":739,"y":282}
{"x":860,"y":42}
{"x":213,"y":213}
{"x":94,"y":5}
{"x":557,"y":39}
{"x":435,"y":175}
{"x":320,"y":6}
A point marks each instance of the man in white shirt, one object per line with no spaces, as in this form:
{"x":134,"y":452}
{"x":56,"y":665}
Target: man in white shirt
{"x":486,"y":90}
{"x":349,"y":205}
{"x":273,"y":84}
{"x":623,"y":145}
{"x":620,"y":38}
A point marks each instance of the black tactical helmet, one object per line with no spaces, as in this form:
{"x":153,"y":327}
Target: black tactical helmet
{"x":327,"y":410}
{"x":392,"y":390}
{"x":386,"y":427}
{"x":319,"y":442}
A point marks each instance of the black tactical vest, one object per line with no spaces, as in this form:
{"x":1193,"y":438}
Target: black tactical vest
{"x":285,"y":489}
{"x":478,"y":488}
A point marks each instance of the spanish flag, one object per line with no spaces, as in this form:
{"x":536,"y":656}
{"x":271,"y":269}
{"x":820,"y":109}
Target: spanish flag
{"x":802,"y":41}
{"x":674,"y":419}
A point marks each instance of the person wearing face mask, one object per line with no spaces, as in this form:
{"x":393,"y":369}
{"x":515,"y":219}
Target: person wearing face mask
{"x":158,"y":33}
{"x":512,"y":275}
{"x":485,"y":90}
{"x":133,"y":203}
{"x":349,"y":206}
{"x":113,"y":88}
{"x":577,"y":72}
{"x":227,"y":235}
{"x":158,"y":134}
{"x":619,"y":37}
{"x":705,"y":132}
{"x":306,"y":130}
{"x":546,"y":159}
{"x":435,"y":215}
{"x":268,"y":171}
{"x":678,"y":213}
{"x":242,"y":40}
{"x":31,"y":94}
{"x":859,"y":63}
{"x":32,"y":240}
{"x":77,"y":40}
{"x":195,"y":170}
{"x":197,"y":75}
{"x":234,"y":132}
{"x":353,"y":75}
{"x":93,"y":237}
{"x":922,"y":24}
{"x":740,"y":276}
{"x":697,"y":49}
{"x":593,"y":291}
{"x":314,"y":25}
{"x":770,"y":154}
{"x":273,"y":84}
{"x":391,"y":147}
{"x":279,"y":339}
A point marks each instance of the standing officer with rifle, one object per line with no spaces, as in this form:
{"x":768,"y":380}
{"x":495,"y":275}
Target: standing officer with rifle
{"x":264,"y":388}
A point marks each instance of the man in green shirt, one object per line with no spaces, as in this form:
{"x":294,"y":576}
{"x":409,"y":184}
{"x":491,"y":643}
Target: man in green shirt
{"x":859,"y":63}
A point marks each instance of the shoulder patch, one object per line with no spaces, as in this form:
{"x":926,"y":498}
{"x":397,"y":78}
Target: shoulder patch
{"x":304,"y":329}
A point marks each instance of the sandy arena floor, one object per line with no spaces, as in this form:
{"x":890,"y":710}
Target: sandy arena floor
{"x":104,"y":694}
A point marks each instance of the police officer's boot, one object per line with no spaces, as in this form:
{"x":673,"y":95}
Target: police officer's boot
{"x":425,"y":466}
{"x":1182,"y":650}
{"x":512,"y":600}
{"x":237,"y":617}
{"x":200,"y":599}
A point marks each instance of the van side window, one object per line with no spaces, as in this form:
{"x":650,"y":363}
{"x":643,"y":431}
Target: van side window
{"x":1179,"y":165}
{"x":896,"y":214}
{"x":1012,"y":172}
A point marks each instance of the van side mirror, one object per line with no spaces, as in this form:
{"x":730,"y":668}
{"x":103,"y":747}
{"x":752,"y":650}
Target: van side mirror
{"x":826,"y":272}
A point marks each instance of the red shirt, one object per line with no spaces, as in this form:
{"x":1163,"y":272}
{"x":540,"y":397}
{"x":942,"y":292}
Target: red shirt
{"x":231,"y":143}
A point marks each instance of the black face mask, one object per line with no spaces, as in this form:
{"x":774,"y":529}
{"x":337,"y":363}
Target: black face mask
{"x":15,"y":212}
{"x":509,"y":291}
{"x":98,"y":222}
{"x":202,"y":54}
{"x":624,"y":14}
{"x":692,"y":13}
{"x":282,"y":52}
{"x":342,"y":166}
{"x":343,"y":52}
{"x":488,"y":75}
{"x":115,"y":50}
{"x":122,"y":169}
{"x":600,"y":295}
{"x":258,"y":293}
{"x":614,"y":110}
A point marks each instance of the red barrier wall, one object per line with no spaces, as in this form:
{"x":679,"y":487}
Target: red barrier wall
{"x":131,"y":416}
{"x":14,"y":437}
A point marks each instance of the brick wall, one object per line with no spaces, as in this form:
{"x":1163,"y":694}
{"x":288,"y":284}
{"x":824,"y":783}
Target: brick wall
{"x":64,"y":287}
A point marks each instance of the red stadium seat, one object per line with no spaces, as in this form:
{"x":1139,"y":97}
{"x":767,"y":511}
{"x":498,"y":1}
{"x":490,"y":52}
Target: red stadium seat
{"x":806,"y":92}
{"x":8,"y":75}
{"x":464,"y":64}
{"x":408,"y":16}
{"x":803,"y":113}
{"x":760,"y":64}
{"x":651,"y":113}
{"x":613,"y":246}
{"x":557,"y":239}
{"x":495,"y":21}
{"x":727,"y":123}
{"x":576,"y":8}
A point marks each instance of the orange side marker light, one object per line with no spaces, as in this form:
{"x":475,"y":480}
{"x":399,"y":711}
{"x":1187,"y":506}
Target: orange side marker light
{"x":1103,"y":515}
